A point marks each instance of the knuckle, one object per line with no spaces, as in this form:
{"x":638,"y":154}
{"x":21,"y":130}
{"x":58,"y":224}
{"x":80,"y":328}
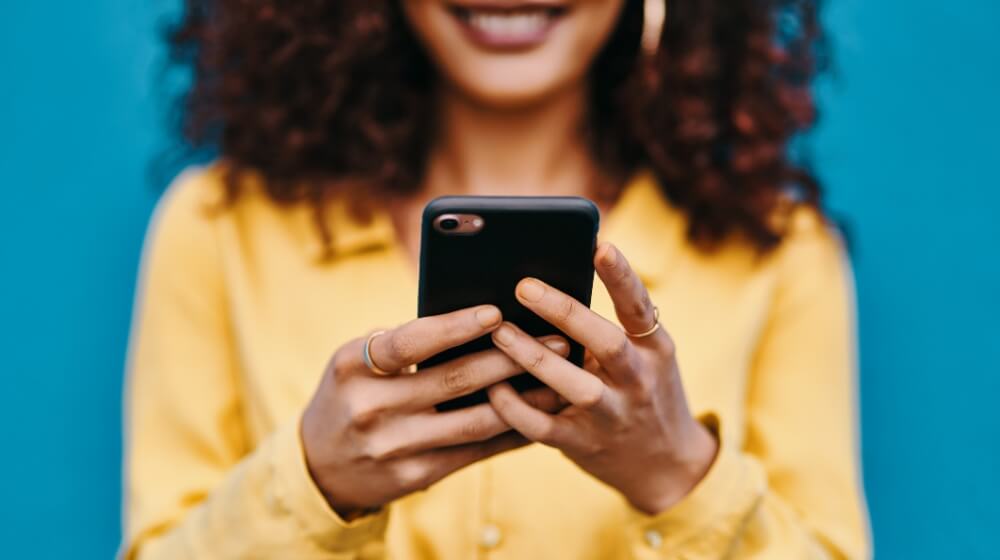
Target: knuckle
{"x":644,"y":381}
{"x":565,"y":309}
{"x":536,"y":360}
{"x":591,"y":397}
{"x":340,"y":364}
{"x":502,"y":404}
{"x":645,"y":386}
{"x":592,"y":447}
{"x":379,"y":450}
{"x":546,"y":433}
{"x":474,"y":430}
{"x":457,"y":380}
{"x":364,"y":415}
{"x":618,"y":349}
{"x":644,"y":306}
{"x":412,"y":475}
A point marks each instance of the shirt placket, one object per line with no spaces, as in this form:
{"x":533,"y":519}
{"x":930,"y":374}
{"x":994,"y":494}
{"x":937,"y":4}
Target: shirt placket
{"x":490,"y":536}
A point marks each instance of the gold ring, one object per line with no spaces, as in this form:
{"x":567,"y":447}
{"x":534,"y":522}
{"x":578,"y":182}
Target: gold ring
{"x":366,"y":356}
{"x":653,"y":329}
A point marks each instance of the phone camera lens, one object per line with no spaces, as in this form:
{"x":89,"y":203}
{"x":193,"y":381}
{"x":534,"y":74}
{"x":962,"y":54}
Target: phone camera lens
{"x":449,"y":224}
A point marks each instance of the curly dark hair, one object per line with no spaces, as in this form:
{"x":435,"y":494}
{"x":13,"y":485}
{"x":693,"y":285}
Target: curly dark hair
{"x":317,"y":95}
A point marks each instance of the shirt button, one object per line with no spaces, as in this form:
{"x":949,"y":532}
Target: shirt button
{"x":490,"y":536}
{"x":654,"y":538}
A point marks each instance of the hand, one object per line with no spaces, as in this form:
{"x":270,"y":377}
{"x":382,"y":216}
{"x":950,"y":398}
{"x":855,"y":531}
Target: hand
{"x":370,"y":439}
{"x":628,"y":422}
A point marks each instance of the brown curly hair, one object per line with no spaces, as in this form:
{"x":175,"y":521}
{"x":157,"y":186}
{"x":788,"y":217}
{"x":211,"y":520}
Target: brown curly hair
{"x":317,"y":95}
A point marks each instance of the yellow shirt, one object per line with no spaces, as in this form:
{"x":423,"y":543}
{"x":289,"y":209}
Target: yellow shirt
{"x":237,"y":317}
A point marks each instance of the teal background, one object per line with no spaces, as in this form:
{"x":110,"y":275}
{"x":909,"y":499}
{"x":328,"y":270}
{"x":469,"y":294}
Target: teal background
{"x":908,"y":148}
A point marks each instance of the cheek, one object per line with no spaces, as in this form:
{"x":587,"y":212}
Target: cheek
{"x":512,"y":78}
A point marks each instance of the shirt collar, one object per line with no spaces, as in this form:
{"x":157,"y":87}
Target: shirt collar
{"x":643,"y":224}
{"x":350,"y":234}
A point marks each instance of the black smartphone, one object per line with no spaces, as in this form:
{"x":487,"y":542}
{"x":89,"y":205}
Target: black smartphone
{"x":475,"y":249}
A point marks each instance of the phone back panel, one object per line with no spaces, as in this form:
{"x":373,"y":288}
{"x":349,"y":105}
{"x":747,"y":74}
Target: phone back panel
{"x":549,"y":238}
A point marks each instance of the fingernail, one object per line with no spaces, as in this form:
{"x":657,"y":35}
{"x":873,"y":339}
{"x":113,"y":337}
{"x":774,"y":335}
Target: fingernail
{"x":504,"y":335}
{"x":488,"y":316}
{"x":557,"y":345}
{"x":530,"y":289}
{"x":610,"y":256}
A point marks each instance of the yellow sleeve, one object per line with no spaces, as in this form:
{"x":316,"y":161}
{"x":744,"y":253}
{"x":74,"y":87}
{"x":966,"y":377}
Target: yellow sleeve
{"x":194,"y":490}
{"x":793,"y":490}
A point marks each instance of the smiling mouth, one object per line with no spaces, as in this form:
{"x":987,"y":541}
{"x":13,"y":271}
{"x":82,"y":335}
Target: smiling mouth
{"x":518,"y":27}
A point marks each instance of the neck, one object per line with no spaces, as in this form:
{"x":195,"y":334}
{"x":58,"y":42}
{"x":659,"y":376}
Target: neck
{"x":534,"y":150}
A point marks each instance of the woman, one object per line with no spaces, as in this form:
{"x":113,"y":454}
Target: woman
{"x":267,"y":416}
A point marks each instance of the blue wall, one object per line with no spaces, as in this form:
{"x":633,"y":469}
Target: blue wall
{"x":906,"y":145}
{"x":909,"y":146}
{"x":77,"y":125}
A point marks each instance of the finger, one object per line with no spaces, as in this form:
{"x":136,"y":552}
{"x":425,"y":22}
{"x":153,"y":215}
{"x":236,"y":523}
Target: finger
{"x":449,"y":460}
{"x":556,"y":431}
{"x":631,"y":299}
{"x":545,"y":399}
{"x":602,"y":337}
{"x":460,"y":376}
{"x":422,"y":338}
{"x":579,"y":387}
{"x":469,"y":425}
{"x":433,"y":430}
{"x":426,"y":468}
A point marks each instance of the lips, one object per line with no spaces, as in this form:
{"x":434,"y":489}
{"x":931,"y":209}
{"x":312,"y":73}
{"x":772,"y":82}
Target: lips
{"x":516,"y":26}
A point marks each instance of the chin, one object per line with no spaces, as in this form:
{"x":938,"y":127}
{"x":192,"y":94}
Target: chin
{"x":513,"y":53}
{"x":513,"y":86}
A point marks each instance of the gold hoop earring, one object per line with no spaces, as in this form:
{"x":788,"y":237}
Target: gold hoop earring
{"x":654,"y":14}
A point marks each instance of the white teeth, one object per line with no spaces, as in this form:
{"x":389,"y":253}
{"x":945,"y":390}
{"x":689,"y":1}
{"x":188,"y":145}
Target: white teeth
{"x":510,"y":26}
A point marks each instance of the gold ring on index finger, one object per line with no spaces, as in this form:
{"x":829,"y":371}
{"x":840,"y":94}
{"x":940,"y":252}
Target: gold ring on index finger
{"x":651,"y":330}
{"x":366,"y":356}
